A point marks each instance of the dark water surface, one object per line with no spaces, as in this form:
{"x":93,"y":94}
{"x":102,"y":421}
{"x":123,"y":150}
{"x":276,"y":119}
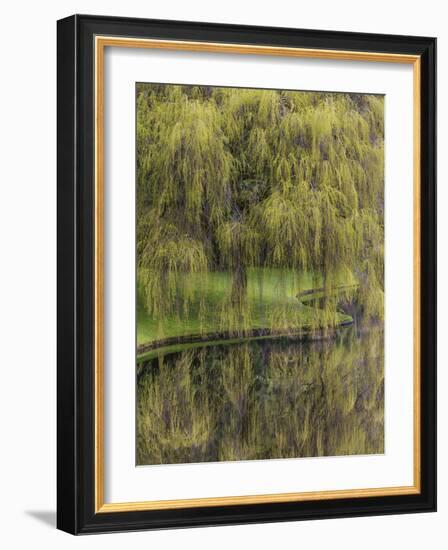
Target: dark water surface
{"x":261,"y":399}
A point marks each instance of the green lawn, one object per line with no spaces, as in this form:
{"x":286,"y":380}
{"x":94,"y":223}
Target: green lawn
{"x":271,"y":294}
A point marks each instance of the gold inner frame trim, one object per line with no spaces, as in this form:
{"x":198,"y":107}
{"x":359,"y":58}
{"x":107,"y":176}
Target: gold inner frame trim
{"x":101,"y":42}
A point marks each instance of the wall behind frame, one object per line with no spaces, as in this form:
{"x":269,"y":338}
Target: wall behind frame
{"x":27,"y":277}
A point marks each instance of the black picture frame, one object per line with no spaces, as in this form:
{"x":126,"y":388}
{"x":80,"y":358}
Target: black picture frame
{"x":76,"y":265}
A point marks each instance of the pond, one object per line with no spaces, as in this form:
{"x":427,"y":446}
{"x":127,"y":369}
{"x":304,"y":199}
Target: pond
{"x":263,"y":398}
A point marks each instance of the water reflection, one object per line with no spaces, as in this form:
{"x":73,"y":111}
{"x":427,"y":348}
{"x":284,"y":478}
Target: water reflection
{"x":272,"y":398}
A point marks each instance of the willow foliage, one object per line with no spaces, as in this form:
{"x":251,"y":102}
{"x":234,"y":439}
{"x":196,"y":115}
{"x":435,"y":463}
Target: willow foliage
{"x":229,"y":179}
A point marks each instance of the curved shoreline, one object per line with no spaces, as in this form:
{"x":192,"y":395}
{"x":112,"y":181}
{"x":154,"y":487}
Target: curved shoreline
{"x":146,"y":351}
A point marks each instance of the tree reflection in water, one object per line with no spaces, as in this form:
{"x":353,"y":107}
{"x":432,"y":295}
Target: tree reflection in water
{"x":262,"y":399}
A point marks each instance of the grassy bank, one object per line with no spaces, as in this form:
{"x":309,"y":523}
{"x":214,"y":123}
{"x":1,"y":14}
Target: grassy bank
{"x":271,"y":303}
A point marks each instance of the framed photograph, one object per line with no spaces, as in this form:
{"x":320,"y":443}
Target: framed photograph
{"x":246,"y":274}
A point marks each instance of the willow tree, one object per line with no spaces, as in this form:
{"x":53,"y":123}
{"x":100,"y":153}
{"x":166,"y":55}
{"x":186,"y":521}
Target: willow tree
{"x":184,"y":175}
{"x":231,"y":179}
